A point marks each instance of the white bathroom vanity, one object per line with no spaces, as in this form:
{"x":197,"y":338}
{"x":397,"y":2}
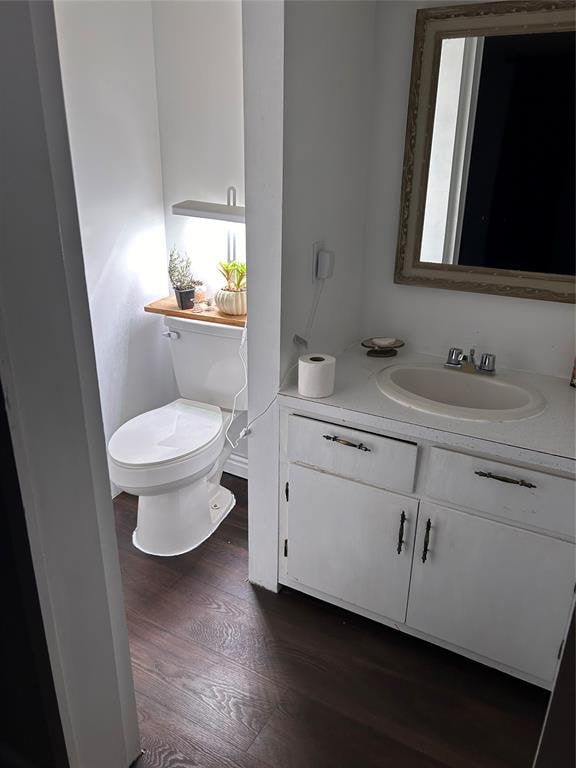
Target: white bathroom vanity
{"x":458,"y":531}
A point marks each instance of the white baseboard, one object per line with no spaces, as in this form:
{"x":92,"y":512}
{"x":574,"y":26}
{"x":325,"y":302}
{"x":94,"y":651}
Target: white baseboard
{"x":237,"y":465}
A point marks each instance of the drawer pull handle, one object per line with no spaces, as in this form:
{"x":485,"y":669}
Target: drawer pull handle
{"x":343,"y":441}
{"x":426,"y":540}
{"x":504,"y":479}
{"x":401,"y":532}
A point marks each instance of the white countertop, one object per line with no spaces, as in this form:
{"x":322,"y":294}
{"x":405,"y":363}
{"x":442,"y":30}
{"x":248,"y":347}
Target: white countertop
{"x":550,"y":432}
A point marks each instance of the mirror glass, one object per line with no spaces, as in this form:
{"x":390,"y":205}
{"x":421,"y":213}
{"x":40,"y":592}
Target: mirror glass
{"x":500,"y":192}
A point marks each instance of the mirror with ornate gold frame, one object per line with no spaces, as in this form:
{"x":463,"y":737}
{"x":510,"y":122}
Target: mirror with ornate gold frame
{"x":487,"y":201}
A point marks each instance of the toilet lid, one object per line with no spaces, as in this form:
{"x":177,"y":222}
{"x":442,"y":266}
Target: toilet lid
{"x":172,"y":432}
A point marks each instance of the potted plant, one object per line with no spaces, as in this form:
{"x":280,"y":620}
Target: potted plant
{"x":183,"y":282}
{"x":231,"y":300}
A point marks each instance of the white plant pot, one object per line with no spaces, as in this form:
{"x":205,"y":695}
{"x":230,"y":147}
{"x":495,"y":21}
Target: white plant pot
{"x":231,"y":302}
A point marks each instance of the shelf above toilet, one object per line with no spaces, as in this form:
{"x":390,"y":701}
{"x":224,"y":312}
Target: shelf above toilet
{"x":168,"y":306}
{"x":202,"y":210}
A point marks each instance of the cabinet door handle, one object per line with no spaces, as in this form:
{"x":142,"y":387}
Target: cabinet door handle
{"x":401,"y":532}
{"x":504,"y":479}
{"x":343,"y":441}
{"x":426,"y":540}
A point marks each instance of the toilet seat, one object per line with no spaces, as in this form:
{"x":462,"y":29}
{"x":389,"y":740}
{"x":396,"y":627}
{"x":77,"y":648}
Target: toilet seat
{"x":166,"y":446}
{"x":170,"y":433}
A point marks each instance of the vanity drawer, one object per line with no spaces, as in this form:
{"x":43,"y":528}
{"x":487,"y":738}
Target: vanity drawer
{"x":522,"y":495}
{"x":361,"y":456}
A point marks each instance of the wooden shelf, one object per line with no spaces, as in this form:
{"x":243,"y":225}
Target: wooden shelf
{"x":169,"y":307}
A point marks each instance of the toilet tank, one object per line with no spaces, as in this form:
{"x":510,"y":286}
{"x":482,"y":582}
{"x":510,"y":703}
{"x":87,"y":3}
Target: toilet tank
{"x":206,"y":361}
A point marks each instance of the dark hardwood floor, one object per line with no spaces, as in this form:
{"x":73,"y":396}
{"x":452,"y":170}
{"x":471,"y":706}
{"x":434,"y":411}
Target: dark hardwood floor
{"x":229,"y":676}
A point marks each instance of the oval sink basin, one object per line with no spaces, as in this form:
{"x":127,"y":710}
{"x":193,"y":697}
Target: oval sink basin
{"x":458,"y":395}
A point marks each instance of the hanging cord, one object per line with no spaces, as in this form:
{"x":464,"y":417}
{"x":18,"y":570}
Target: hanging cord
{"x":313,"y":310}
{"x":247,"y":429}
{"x":240,"y":391}
{"x":302,"y":341}
{"x":298,"y":340}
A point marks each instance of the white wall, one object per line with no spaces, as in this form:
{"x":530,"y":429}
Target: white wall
{"x":329,"y":66}
{"x":107,"y":62}
{"x":308,"y":82}
{"x":198,"y":54}
{"x":198,"y":50}
{"x":526,"y":334}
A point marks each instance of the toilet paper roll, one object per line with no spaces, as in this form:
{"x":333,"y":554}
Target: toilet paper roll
{"x":316,"y":375}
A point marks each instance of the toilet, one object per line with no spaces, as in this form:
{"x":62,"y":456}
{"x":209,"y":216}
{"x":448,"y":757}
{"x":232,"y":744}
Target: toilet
{"x":172,"y":457}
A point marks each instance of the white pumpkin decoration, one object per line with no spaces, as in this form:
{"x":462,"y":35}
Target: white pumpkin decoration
{"x":231,"y":302}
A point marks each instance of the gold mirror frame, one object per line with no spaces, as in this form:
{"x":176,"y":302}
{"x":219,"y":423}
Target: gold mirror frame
{"x":433,"y":25}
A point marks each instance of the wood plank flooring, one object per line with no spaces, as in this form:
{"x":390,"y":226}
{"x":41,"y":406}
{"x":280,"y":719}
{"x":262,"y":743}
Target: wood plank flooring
{"x":230,"y":676}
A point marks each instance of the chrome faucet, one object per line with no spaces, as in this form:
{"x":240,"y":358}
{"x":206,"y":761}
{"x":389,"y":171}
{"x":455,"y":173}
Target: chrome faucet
{"x":487,"y":363}
{"x":457,"y":359}
{"x":454,"y":360}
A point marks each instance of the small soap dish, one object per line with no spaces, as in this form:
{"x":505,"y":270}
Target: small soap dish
{"x":374,"y":352}
{"x":382,"y":346}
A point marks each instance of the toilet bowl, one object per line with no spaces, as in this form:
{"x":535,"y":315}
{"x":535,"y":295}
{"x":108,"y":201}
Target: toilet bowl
{"x":172,"y":457}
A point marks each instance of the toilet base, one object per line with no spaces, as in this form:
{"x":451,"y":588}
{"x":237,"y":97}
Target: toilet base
{"x":173,"y":523}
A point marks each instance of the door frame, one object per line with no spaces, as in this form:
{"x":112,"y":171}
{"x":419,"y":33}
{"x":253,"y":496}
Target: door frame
{"x":48,"y":372}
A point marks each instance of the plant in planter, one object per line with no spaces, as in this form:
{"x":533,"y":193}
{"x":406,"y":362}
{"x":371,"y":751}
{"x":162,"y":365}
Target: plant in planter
{"x":231,"y":300}
{"x":183,"y":283}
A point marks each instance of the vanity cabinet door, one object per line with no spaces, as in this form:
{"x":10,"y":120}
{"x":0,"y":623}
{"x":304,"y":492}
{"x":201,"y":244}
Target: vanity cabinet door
{"x":344,"y":537}
{"x":487,"y":587}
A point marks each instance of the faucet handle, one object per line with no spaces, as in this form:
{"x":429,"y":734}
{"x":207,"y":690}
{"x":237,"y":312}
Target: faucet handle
{"x":454,"y":357}
{"x":487,"y":363}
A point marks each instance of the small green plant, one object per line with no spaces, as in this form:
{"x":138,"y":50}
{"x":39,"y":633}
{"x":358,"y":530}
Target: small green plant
{"x":226,"y":269}
{"x":180,"y":271}
{"x":234,"y":272}
{"x":240,"y":276}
